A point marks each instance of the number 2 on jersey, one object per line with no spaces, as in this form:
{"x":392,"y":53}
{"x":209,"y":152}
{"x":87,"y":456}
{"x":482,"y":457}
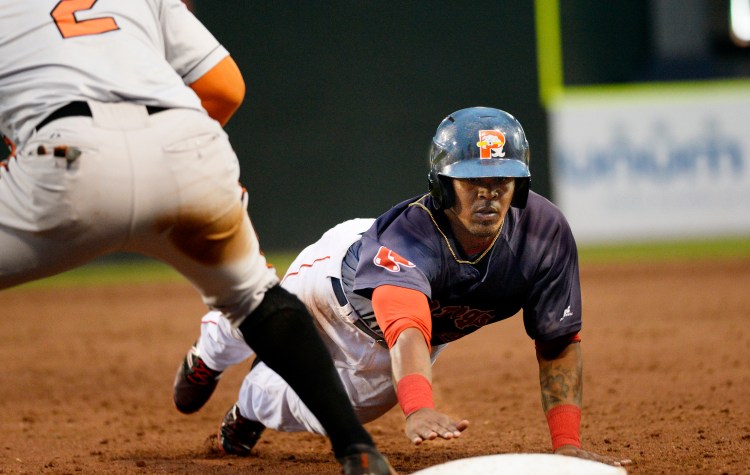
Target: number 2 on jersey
{"x":64,"y":15}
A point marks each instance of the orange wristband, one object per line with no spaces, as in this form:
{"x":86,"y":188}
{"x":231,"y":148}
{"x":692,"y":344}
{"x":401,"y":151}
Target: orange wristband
{"x":564,"y":425}
{"x":414,"y":392}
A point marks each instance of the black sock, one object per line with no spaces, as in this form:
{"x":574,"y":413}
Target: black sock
{"x":282,"y":334}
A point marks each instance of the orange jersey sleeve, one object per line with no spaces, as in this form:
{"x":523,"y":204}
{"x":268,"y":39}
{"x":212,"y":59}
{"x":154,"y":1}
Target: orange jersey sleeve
{"x":221,"y":90}
{"x":397,"y":309}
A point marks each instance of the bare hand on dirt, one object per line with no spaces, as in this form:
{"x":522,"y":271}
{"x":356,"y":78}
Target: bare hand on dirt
{"x":428,"y":424}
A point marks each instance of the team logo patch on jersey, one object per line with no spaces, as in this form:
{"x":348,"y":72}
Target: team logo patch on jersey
{"x":491,"y":143}
{"x":390,"y":261}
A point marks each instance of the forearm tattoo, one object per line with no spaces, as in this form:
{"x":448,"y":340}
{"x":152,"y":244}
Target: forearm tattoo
{"x":561,"y":378}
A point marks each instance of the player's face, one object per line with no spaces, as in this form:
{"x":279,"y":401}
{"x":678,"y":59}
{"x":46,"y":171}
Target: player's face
{"x":481,"y":205}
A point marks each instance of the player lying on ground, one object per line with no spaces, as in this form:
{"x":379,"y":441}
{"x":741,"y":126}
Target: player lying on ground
{"x":116,"y":111}
{"x":389,"y":294}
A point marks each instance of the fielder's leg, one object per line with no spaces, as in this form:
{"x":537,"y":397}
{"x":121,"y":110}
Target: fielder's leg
{"x":282,"y":334}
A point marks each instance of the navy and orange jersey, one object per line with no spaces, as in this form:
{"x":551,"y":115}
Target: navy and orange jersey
{"x":532,"y":266}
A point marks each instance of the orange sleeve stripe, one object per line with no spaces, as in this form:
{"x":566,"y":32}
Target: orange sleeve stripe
{"x":221,"y":90}
{"x":397,"y":309}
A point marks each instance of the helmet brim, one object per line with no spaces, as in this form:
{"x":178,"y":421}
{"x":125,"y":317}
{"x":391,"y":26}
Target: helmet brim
{"x":486,"y":168}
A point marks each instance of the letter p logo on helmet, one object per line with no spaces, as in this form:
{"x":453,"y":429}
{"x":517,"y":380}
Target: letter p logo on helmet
{"x":491,"y":143}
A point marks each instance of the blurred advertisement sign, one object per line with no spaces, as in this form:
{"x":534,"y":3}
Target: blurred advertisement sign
{"x":653,"y":164}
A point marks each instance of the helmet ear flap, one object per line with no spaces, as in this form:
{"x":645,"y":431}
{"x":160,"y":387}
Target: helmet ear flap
{"x":434,"y":186}
{"x":441,"y":189}
{"x":447,"y":192}
{"x":521,"y":193}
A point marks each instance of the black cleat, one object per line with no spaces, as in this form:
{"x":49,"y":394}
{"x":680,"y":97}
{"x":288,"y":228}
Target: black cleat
{"x":365,"y":460}
{"x":238,"y":435}
{"x":194,"y":384}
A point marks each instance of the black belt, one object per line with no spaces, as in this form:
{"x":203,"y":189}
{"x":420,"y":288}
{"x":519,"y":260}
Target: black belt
{"x":82,"y":109}
{"x":338,"y":291}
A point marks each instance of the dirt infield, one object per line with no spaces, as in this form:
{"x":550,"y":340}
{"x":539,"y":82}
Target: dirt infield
{"x":87,"y":377}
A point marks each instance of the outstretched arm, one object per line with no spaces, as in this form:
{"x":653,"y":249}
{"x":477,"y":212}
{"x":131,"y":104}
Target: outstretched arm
{"x":404,"y":316}
{"x":412,"y":374}
{"x":561,"y":382}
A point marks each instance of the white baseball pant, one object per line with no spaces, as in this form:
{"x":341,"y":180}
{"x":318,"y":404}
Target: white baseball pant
{"x":363,"y":365}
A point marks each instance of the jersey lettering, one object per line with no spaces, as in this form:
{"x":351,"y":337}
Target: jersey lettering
{"x":463,"y":317}
{"x":64,"y":15}
{"x":390,"y":261}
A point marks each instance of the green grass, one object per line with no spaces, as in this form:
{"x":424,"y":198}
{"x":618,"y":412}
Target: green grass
{"x":134,"y":270}
{"x":138,"y":270}
{"x":729,"y":248}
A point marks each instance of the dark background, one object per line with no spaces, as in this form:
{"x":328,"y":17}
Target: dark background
{"x":344,"y":97}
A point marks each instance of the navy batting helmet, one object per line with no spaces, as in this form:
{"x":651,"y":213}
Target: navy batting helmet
{"x":478,"y":142}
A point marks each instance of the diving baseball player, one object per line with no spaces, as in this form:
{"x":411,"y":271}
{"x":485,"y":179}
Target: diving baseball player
{"x":115,"y":109}
{"x":389,"y":294}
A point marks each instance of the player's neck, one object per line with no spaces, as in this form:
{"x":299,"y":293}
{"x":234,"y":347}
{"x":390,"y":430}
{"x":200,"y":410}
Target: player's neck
{"x":471,"y":244}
